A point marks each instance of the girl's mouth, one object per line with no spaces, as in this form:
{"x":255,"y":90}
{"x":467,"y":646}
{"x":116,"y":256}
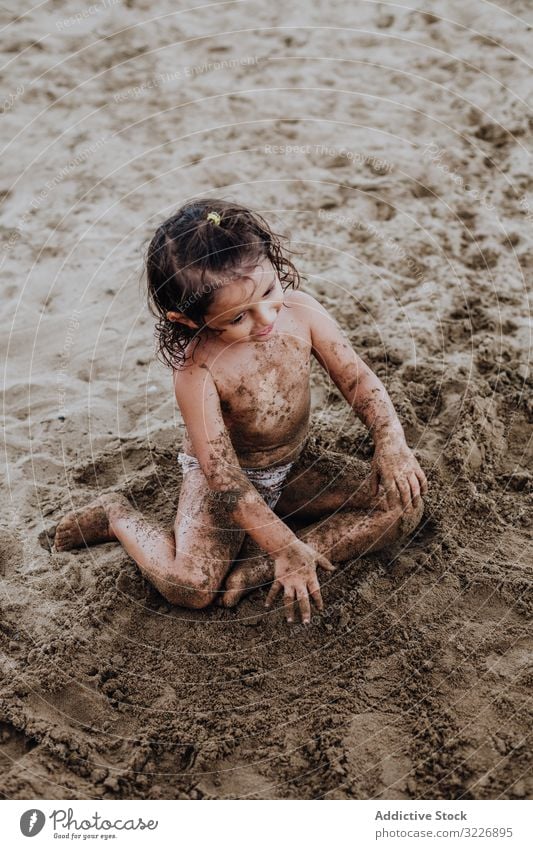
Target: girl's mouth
{"x":266,"y":331}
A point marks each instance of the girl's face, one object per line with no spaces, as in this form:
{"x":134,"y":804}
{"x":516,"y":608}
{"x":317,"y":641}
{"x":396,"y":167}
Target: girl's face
{"x":246,"y":310}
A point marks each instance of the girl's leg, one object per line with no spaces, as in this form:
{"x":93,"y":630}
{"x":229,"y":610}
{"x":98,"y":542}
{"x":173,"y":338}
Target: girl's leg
{"x":333,"y":490}
{"x":187,"y":565}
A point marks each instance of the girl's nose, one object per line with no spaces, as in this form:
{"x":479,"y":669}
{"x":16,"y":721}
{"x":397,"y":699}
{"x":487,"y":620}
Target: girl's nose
{"x":266,"y":316}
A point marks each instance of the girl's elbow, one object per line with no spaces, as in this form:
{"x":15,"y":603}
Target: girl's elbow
{"x":227,"y":492}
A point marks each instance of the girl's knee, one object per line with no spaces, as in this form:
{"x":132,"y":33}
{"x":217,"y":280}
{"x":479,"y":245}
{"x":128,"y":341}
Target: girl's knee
{"x":189,"y":584}
{"x":197,"y":599}
{"x":181,"y":595}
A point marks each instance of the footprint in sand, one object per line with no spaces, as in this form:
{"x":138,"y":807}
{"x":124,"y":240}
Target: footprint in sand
{"x":11,"y":553}
{"x":14,"y":745}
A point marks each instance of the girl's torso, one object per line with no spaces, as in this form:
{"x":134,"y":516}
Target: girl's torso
{"x":264,"y":389}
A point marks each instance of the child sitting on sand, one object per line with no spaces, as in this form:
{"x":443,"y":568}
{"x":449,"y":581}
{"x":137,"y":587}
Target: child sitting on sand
{"x":239,"y":338}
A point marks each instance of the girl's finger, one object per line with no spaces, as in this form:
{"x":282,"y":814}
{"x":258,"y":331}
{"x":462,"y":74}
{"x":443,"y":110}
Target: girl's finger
{"x":288,"y":601}
{"x":423,"y":481}
{"x":391,"y":493}
{"x":316,"y":595}
{"x":374,"y":483}
{"x":305,"y":607}
{"x":405,"y":492}
{"x":324,"y":563}
{"x":274,"y":590}
{"x":381,"y":499}
{"x":415,"y":486}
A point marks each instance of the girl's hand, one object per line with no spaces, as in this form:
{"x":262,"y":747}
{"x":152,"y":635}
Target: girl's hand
{"x":295,"y":573}
{"x":395,"y":470}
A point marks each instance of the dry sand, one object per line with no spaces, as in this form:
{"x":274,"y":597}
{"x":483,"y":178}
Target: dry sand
{"x":408,"y":202}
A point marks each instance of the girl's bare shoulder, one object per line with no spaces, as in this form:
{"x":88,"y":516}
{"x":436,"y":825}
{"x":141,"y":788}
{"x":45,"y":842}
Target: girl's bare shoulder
{"x":192,"y":374}
{"x":196,"y":355}
{"x":305,"y":305}
{"x":298,"y":296}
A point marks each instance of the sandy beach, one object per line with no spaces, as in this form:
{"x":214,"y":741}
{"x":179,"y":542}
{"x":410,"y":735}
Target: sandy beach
{"x":393,"y":147}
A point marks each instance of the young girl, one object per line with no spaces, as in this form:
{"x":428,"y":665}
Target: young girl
{"x":239,"y":338}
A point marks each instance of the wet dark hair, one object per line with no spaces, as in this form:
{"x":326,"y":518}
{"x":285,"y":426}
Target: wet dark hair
{"x":189,"y":257}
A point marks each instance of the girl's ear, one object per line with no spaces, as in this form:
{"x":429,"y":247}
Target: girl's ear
{"x":182,"y":319}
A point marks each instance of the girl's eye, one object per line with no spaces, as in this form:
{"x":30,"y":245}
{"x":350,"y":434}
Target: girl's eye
{"x":268,"y":291}
{"x":239,"y":318}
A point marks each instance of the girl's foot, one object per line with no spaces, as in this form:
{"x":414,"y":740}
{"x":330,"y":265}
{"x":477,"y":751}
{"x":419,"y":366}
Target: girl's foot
{"x":88,"y":525}
{"x":243,"y":579}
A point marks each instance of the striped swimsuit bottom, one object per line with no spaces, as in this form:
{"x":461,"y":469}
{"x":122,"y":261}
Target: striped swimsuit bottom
{"x":268,"y":481}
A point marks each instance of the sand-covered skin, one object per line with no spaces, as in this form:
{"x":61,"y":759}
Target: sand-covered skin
{"x":408,"y":198}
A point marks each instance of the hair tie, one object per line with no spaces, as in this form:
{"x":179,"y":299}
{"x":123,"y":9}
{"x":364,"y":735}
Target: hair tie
{"x":214,"y":217}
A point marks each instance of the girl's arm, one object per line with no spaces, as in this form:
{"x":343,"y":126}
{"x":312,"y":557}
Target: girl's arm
{"x":362,"y":389}
{"x":294,"y":561}
{"x":394,"y":466}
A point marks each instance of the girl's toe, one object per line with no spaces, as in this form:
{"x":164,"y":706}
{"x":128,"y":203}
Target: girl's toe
{"x":63,"y":540}
{"x":231,"y":598}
